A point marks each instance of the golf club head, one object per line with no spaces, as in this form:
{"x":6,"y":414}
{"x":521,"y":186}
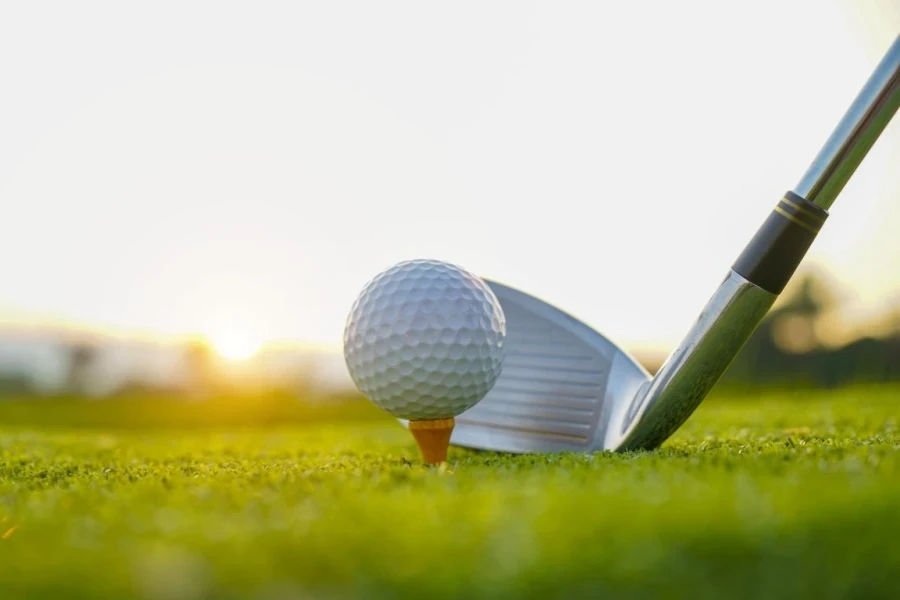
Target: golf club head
{"x":564,"y":386}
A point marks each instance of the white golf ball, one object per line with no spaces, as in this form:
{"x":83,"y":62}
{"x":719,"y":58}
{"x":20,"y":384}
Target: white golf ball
{"x":425,"y":340}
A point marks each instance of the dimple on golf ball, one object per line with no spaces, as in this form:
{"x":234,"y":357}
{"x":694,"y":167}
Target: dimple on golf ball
{"x":425,"y":339}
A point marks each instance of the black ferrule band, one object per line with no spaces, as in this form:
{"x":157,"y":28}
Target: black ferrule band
{"x":775,"y":252}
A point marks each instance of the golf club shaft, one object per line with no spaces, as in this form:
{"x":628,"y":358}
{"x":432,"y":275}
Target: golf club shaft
{"x":851,"y":140}
{"x":762,"y":270}
{"x":775,"y":252}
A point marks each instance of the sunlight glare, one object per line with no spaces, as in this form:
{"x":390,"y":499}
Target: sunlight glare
{"x":234,"y":346}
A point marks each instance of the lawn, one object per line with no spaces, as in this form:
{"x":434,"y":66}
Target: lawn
{"x":787,"y":495}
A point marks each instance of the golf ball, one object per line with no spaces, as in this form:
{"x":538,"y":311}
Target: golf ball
{"x":425,"y":339}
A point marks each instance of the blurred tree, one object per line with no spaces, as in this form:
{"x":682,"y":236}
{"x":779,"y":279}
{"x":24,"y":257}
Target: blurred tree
{"x":793,"y":323}
{"x":81,"y":359}
{"x":200,"y":368}
{"x":812,"y":296}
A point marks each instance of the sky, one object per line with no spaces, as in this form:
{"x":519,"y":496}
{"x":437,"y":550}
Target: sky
{"x":241,"y":170}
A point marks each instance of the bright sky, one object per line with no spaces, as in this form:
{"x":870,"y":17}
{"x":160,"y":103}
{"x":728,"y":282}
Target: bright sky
{"x":243,"y":171}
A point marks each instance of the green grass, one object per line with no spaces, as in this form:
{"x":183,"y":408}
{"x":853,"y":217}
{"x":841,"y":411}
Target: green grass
{"x":785,"y":496}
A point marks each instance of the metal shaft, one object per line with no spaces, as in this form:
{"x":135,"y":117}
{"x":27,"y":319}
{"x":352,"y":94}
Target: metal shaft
{"x":851,"y":140}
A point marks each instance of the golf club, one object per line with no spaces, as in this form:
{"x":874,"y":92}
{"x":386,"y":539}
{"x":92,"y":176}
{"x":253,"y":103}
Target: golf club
{"x":565,"y":387}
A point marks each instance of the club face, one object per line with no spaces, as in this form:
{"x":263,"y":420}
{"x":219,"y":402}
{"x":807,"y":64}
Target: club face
{"x":564,"y":387}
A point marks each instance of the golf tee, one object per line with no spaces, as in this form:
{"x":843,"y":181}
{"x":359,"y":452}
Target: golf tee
{"x":433,"y":438}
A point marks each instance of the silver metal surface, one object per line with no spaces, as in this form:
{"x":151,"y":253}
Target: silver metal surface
{"x":851,"y":140}
{"x":565,"y":387}
{"x":695,"y":366}
{"x":561,"y":386}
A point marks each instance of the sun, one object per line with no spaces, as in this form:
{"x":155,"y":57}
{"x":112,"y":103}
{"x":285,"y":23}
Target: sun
{"x":235,"y":346}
